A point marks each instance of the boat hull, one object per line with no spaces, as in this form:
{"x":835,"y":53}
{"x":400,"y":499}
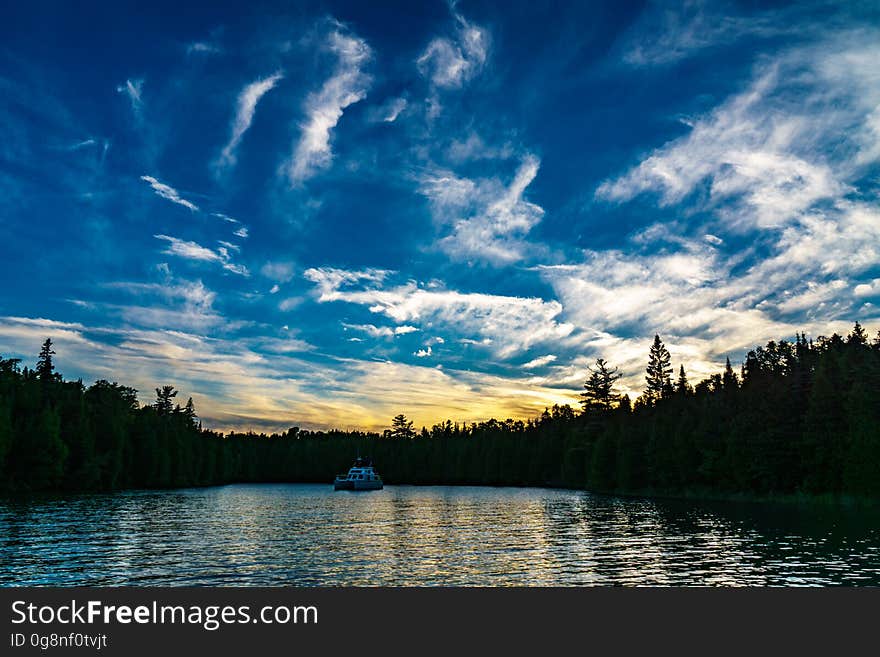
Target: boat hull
{"x":348,"y":484}
{"x":367,"y":485}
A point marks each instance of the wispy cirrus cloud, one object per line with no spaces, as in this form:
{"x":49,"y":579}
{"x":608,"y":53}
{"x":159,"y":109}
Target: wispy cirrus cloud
{"x":784,"y":227}
{"x":280,"y":271}
{"x":246,"y":106}
{"x":194,"y":251}
{"x":486,"y":221}
{"x":172,"y":304}
{"x":381,"y":331}
{"x":541,"y":361}
{"x":390,"y":110}
{"x":670,"y":32}
{"x":169,"y":193}
{"x":474,"y":147}
{"x":203,"y":48}
{"x":324,"y":108}
{"x":450,"y":61}
{"x":133,"y":90}
{"x":799,"y":134}
{"x":510,"y":324}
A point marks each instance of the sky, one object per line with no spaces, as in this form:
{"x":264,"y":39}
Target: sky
{"x":322,"y":214}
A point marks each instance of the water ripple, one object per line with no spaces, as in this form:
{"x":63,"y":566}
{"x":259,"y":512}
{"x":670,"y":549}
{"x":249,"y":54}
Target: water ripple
{"x":308,"y":535}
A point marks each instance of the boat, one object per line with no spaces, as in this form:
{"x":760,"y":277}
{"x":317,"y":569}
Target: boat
{"x":361,"y":476}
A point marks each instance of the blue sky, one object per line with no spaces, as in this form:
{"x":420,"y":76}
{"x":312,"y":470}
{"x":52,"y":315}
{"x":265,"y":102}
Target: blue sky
{"x":323,"y":214}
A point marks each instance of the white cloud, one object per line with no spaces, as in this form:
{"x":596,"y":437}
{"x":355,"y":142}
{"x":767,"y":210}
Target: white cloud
{"x":798,"y":135}
{"x":274,"y":289}
{"x":390,"y":110}
{"x":747,"y":152}
{"x":422,"y":353}
{"x":187,"y":304}
{"x":486,"y":220}
{"x":813,"y":296}
{"x":508,"y":324}
{"x":241,"y":232}
{"x":194,"y":251}
{"x":324,"y":108}
{"x":785,"y":164}
{"x":869,"y":289}
{"x":669,"y":32}
{"x":244,"y":115}
{"x":539,"y":362}
{"x":450,"y":62}
{"x":203,"y":48}
{"x":278,"y":271}
{"x":290,"y":303}
{"x":330,"y":281}
{"x":225,"y":217}
{"x":169,"y":193}
{"x":474,"y":147}
{"x":381,"y":331}
{"x":133,"y":90}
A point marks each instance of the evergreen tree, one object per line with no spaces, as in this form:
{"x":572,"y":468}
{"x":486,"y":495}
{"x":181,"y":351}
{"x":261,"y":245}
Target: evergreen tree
{"x":682,"y":387}
{"x":45,"y":368}
{"x":659,"y":373}
{"x":729,"y":380}
{"x":164,"y":395}
{"x":858,"y":336}
{"x":401,"y":427}
{"x":189,"y":412}
{"x":599,"y":395}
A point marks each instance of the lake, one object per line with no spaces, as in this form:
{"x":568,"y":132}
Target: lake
{"x":291,"y":534}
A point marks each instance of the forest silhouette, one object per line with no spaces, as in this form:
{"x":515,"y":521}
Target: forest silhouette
{"x":799,"y":418}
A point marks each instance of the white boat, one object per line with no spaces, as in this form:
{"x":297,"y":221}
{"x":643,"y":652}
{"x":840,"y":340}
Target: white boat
{"x":361,"y":476}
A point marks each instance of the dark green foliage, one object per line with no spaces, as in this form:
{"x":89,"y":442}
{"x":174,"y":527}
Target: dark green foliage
{"x":401,"y":427}
{"x":164,"y":396}
{"x":658,"y":373}
{"x":599,"y":395}
{"x":804,"y":417}
{"x":45,"y":368}
{"x":682,"y":386}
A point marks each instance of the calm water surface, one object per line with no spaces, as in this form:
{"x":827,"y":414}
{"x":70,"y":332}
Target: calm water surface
{"x":405,"y":535}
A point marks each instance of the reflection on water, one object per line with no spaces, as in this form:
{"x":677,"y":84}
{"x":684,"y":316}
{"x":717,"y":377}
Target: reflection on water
{"x":308,"y":535}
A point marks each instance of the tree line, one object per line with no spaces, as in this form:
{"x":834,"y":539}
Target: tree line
{"x":798,"y":418}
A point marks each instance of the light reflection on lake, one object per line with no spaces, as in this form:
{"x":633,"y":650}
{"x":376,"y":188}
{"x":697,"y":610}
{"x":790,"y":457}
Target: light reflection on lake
{"x":434,"y":535}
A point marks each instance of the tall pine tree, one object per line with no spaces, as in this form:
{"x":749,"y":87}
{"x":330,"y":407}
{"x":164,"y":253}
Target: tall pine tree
{"x":599,"y":392}
{"x":658,"y":373}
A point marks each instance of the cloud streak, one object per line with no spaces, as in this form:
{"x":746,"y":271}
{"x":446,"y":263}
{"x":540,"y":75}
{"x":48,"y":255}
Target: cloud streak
{"x":324,"y":108}
{"x":246,"y":106}
{"x":194,"y":251}
{"x":133,"y":90}
{"x":169,"y":193}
